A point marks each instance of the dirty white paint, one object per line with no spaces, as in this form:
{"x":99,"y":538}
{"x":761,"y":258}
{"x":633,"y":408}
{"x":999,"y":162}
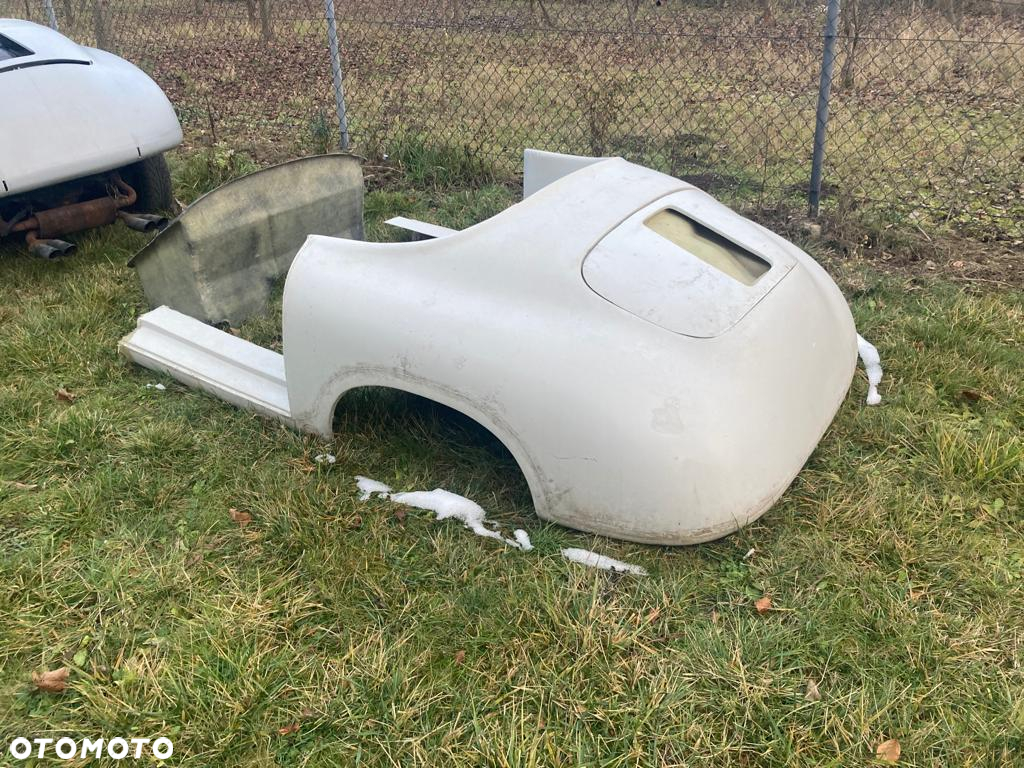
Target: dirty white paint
{"x":369,"y":487}
{"x":872,"y":367}
{"x":594,"y":560}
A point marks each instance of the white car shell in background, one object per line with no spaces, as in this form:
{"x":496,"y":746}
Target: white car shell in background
{"x":71,"y":111}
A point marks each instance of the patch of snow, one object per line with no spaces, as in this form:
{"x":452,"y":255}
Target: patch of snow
{"x":523,"y":539}
{"x":370,"y":487}
{"x":445,"y":504}
{"x":594,"y":560}
{"x":160,"y":387}
{"x":325,"y":458}
{"x":872,"y":367}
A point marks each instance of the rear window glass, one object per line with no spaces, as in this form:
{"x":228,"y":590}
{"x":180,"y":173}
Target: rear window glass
{"x":708,"y":246}
{"x":12,"y":50}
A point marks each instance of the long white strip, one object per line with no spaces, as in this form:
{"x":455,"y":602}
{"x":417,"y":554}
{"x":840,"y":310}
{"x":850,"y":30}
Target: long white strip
{"x":200,"y":356}
{"x":424,"y":228}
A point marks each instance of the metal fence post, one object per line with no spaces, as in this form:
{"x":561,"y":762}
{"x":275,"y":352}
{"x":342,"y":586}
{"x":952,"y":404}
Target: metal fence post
{"x":828,"y":60}
{"x":339,"y":89}
{"x":51,"y":16}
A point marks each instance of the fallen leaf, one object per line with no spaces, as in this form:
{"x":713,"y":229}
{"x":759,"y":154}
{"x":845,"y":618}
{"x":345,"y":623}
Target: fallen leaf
{"x":63,"y":394}
{"x":972,"y":395}
{"x":460,"y":656}
{"x":294,"y":727}
{"x":888,"y":751}
{"x":52,"y":681}
{"x":356,"y":522}
{"x":400,"y":514}
{"x":813,"y":694}
{"x":241,"y":517}
{"x":958,"y":264}
{"x":763,"y":605}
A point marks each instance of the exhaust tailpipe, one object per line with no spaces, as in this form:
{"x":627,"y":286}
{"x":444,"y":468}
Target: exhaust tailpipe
{"x":47,"y":249}
{"x":143,"y":222}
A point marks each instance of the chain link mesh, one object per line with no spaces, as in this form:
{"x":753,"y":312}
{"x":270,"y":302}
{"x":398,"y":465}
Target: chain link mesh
{"x":926,"y":113}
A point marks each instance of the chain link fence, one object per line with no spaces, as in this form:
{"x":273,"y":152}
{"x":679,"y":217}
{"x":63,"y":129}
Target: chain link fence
{"x":925,"y":116}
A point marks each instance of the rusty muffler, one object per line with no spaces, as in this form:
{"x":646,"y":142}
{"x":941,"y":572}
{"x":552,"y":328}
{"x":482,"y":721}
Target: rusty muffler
{"x":75,"y":217}
{"x":42,"y":228}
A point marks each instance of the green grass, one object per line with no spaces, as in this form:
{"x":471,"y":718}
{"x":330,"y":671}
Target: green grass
{"x":894,"y":562}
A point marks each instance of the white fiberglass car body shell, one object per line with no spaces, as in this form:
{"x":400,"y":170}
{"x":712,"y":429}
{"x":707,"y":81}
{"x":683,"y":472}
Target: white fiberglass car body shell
{"x":646,"y":392}
{"x":70,"y":111}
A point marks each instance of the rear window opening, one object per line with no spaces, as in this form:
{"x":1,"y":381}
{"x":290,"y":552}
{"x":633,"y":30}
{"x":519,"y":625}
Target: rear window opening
{"x":12,"y":50}
{"x":708,"y":246}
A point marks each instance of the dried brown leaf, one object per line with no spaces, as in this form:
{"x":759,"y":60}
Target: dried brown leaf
{"x":293,"y":728}
{"x":813,"y":694}
{"x":400,"y":514}
{"x":888,"y":751}
{"x":460,"y":656}
{"x":241,"y":517}
{"x":64,"y":395}
{"x":763,"y":605}
{"x":51,"y":681}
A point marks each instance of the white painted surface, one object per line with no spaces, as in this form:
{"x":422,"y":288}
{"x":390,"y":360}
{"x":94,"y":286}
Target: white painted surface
{"x":200,"y":356}
{"x":420,"y":227}
{"x":66,"y":120}
{"x":543,"y":168}
{"x":621,"y":426}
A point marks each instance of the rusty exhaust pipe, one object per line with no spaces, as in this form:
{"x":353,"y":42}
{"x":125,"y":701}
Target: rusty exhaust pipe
{"x":42,"y":229}
{"x":142,"y":222}
{"x":47,"y":248}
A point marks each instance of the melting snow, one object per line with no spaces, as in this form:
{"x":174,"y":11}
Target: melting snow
{"x":370,"y":487}
{"x":325,"y":458}
{"x":594,"y":560}
{"x":872,"y":367}
{"x":445,"y":504}
{"x":523,"y":539}
{"x":160,"y":387}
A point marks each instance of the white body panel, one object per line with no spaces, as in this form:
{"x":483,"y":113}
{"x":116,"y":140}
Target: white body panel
{"x":70,"y":111}
{"x":671,"y":417}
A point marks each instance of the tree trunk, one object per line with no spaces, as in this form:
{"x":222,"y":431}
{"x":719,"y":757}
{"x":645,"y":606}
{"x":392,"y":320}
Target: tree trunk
{"x":851,"y":31}
{"x":266,"y":28}
{"x":99,"y":24}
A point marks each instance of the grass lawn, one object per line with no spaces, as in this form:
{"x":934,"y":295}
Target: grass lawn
{"x":329,"y":631}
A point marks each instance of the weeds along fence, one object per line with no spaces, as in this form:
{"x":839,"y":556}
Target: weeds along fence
{"x":925,"y":110}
